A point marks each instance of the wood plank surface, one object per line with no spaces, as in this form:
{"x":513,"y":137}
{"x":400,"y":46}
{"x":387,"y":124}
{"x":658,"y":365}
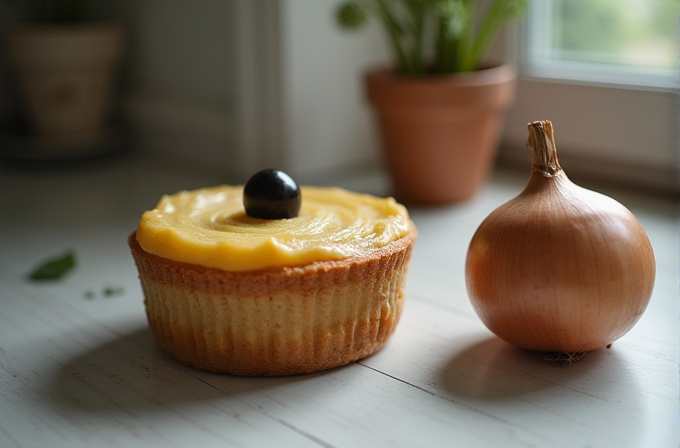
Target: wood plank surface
{"x":79,"y":367}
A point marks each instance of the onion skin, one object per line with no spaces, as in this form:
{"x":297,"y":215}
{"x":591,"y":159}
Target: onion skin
{"x":559,"y":268}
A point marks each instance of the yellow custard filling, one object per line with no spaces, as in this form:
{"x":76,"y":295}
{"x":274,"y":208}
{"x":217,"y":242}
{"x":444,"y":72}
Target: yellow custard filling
{"x":210,"y":227}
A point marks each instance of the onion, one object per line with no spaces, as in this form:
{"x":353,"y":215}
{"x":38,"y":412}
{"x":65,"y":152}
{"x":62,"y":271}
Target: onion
{"x":559,"y":268}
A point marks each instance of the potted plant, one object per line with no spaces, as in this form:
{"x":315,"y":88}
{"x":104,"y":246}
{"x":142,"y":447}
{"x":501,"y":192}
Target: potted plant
{"x":65,"y":64}
{"x":441,"y":106}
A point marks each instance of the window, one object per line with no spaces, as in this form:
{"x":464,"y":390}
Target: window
{"x":605,"y":73}
{"x":630,"y":42}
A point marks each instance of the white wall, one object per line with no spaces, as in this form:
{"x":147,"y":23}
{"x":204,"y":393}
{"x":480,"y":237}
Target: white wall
{"x":180,"y":79}
{"x":248,"y":85}
{"x":327,"y":122}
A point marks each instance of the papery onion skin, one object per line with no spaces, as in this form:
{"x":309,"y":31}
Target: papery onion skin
{"x":559,"y":268}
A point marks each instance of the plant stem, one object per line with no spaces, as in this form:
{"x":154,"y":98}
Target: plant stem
{"x":394,"y":31}
{"x":442,"y":49}
{"x":491,"y":23}
{"x":417,"y":12}
{"x":464,"y":41}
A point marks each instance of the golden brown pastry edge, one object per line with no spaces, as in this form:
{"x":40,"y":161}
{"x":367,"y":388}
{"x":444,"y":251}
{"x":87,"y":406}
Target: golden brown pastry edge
{"x":277,"y":321}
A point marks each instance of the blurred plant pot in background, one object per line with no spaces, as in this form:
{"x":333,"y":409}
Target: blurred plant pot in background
{"x":66,"y":75}
{"x":440,"y":134}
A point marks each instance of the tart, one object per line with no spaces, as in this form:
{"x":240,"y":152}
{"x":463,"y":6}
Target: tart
{"x":228,"y":292}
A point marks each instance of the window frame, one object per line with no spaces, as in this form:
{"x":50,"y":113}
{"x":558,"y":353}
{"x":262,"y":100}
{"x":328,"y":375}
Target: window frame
{"x":537,"y":63}
{"x":605,"y":130}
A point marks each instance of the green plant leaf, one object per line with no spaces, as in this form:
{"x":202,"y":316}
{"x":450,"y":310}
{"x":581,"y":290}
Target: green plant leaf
{"x":435,"y":36}
{"x":54,"y":268}
{"x":453,"y":15}
{"x":351,"y":15}
{"x":111,"y":291}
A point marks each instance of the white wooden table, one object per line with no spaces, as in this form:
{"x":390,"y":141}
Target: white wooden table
{"x":79,"y":368}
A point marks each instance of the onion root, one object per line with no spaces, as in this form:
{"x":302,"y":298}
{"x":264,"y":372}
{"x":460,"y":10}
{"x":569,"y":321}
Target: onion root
{"x":562,"y":359}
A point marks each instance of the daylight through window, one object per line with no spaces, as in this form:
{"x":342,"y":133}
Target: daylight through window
{"x":631,"y":42}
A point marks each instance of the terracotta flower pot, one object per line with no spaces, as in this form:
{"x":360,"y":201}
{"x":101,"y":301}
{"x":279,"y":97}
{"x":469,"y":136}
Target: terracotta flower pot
{"x":66,"y":74}
{"x":440,"y":134}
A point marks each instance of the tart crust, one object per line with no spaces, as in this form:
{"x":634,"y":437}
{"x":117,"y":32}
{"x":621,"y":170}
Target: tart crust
{"x":278,"y":321}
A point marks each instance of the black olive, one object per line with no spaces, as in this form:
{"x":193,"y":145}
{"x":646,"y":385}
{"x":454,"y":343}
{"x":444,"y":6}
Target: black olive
{"x":272,"y":194}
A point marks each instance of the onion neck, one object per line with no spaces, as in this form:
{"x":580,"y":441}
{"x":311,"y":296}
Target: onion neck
{"x":541,"y":144}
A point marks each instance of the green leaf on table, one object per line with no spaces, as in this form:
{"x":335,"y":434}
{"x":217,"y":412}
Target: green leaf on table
{"x":54,"y":268}
{"x":110,"y":291}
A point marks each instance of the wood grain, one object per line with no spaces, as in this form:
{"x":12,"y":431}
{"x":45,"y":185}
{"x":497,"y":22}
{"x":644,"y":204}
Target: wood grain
{"x":79,"y":368}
